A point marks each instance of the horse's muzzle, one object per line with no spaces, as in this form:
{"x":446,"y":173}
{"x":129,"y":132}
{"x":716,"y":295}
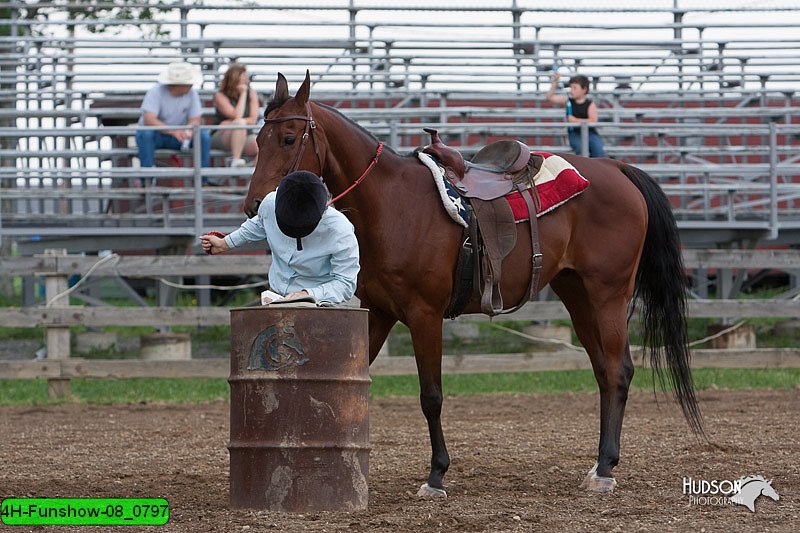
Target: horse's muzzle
{"x":252,"y":210}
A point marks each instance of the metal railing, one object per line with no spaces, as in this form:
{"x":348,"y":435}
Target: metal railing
{"x":685,"y":95}
{"x":56,"y":198}
{"x":379,"y":46}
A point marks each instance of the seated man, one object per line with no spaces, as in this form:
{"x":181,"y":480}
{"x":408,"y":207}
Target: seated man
{"x":172,"y":102}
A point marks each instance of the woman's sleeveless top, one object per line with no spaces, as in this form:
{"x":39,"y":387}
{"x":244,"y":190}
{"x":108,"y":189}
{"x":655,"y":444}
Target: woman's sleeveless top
{"x":219,"y":117}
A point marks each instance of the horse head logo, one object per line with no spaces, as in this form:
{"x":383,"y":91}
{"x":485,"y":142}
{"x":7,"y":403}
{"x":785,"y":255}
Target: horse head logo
{"x":276,"y":347}
{"x":751,"y":488}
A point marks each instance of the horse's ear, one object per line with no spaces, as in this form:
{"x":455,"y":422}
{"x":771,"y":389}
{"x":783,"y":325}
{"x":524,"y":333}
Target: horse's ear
{"x":302,"y":93}
{"x":281,"y":88}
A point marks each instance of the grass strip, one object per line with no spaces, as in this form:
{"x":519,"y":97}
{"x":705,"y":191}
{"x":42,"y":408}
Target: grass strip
{"x":141,"y":390}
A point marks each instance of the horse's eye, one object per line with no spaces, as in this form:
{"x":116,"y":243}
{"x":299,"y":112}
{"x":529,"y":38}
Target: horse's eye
{"x":288,"y":141}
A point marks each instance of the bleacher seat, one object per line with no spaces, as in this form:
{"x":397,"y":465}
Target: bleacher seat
{"x":703,"y":103}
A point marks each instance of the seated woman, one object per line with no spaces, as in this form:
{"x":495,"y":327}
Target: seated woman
{"x":236,"y":103}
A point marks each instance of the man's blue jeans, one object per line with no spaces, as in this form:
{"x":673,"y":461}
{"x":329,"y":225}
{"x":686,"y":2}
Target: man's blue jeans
{"x":148,"y":141}
{"x":595,"y":144}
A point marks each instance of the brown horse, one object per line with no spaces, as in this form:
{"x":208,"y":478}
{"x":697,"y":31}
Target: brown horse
{"x":615,"y":242}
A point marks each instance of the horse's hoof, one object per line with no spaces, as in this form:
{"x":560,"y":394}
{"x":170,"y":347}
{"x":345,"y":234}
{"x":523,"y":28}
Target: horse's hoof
{"x":595,"y":483}
{"x":426,"y":491}
{"x":601,"y":484}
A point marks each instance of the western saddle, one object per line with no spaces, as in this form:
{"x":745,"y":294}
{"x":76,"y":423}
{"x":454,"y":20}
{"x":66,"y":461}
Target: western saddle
{"x":496,"y":170}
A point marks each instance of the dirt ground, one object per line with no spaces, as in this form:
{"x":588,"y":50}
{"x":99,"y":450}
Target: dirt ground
{"x":517,"y":461}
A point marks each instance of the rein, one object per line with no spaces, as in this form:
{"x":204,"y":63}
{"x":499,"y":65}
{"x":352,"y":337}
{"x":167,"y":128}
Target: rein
{"x":362,"y":176}
{"x":310,"y":129}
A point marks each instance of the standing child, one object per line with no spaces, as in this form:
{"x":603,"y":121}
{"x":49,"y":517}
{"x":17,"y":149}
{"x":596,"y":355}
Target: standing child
{"x":579,"y":109}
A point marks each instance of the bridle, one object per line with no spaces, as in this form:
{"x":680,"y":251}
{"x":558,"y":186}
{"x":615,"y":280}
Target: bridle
{"x":309,"y":131}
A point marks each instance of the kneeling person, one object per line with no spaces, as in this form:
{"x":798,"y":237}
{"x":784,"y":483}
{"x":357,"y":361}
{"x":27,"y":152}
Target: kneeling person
{"x":314,"y":246}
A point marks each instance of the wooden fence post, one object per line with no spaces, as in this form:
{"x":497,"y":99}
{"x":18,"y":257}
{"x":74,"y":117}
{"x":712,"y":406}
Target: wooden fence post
{"x":57,"y":337}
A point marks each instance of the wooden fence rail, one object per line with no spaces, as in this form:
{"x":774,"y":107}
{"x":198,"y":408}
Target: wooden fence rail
{"x":219,"y":367}
{"x":214,"y":316}
{"x":222,"y":265}
{"x":58,"y":317}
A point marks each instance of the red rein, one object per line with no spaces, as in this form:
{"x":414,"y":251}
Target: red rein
{"x":215,"y":234}
{"x":362,"y":176}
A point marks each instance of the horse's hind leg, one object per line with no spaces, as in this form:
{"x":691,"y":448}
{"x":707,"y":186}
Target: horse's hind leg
{"x":600,"y":321}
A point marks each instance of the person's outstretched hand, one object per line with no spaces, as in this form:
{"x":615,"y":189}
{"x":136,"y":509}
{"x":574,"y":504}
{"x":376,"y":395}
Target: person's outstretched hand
{"x":212,"y":244}
{"x":556,"y":75}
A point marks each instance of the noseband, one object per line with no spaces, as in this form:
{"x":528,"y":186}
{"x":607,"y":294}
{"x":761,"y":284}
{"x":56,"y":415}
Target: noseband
{"x":310,"y":129}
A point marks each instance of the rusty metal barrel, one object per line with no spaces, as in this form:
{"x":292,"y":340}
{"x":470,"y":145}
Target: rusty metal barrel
{"x":299,"y":408}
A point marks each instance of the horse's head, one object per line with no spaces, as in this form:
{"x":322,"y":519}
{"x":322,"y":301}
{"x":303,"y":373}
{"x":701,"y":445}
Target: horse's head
{"x":288,"y":141}
{"x":769,"y":491}
{"x":751,"y":488}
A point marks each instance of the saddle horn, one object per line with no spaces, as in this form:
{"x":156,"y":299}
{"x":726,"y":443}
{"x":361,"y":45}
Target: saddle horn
{"x":434,"y":135}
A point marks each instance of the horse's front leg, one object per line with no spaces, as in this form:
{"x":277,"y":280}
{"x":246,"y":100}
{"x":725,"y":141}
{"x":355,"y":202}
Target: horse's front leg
{"x":426,"y":336}
{"x":380,"y":324}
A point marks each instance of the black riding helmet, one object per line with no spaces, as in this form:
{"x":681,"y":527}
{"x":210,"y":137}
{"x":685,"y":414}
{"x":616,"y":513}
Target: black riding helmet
{"x":300,"y":201}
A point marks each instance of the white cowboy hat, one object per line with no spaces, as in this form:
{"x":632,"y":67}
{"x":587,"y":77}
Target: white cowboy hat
{"x":180,"y":73}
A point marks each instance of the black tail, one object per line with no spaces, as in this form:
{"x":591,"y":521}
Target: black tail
{"x":661,"y":289}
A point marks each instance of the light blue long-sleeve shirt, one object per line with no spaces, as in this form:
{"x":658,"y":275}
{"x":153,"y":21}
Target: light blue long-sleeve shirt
{"x":327,"y":266}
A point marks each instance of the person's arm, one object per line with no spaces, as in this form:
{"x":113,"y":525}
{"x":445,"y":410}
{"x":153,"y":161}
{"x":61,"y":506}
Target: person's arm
{"x":591,"y":112}
{"x":344,"y":272}
{"x":195,"y":113}
{"x":187,"y":134}
{"x":213,"y":245}
{"x":251,"y":230}
{"x":151,"y":119}
{"x":224,"y":106}
{"x":552,"y":97}
{"x":254,"y":107}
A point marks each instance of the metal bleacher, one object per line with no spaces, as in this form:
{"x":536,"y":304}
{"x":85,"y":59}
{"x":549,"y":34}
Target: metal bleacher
{"x":702,"y":98}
